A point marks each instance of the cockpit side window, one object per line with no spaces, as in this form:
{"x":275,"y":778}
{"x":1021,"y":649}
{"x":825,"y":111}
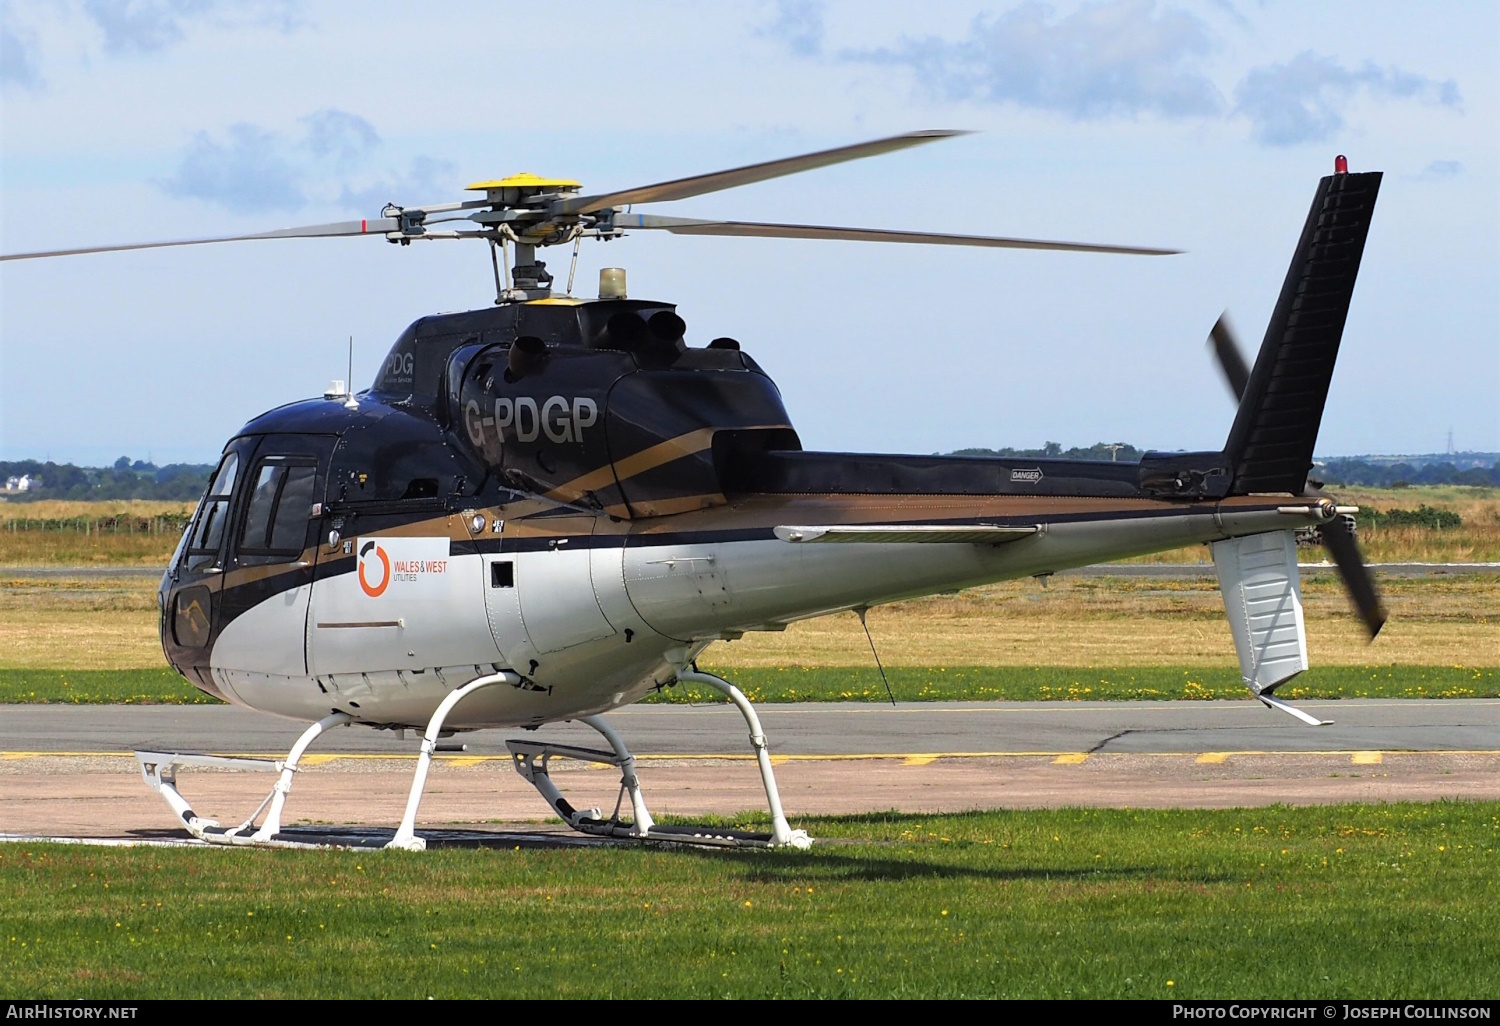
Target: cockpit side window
{"x":207,"y":532}
{"x":275,"y":525}
{"x":268,"y":482}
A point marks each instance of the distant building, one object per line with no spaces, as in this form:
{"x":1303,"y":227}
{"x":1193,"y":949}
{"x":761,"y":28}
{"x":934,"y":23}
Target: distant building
{"x":24,"y":483}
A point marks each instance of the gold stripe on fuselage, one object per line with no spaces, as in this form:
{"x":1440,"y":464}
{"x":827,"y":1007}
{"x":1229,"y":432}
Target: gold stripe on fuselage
{"x":697,"y":514}
{"x":765,"y":511}
{"x":689,"y":444}
{"x":647,"y":459}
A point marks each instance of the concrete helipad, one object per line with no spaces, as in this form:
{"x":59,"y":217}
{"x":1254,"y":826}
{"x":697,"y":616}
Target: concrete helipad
{"x":67,"y":770}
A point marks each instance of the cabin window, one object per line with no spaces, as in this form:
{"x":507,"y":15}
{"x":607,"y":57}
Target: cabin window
{"x":208,"y":526}
{"x":275,"y":528}
{"x":502,"y":574}
{"x":190,"y":617}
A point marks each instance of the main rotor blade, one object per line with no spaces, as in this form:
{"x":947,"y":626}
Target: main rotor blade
{"x":685,"y":188}
{"x":372,"y":226}
{"x":1231,"y":357}
{"x":1357,"y":578}
{"x":754,"y":229}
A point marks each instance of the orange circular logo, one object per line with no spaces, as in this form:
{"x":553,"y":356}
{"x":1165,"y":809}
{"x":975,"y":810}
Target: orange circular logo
{"x":374,"y":590}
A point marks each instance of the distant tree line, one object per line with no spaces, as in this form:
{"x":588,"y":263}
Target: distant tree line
{"x":185,"y":482}
{"x":1423,"y":516}
{"x":1401,"y":475}
{"x":127,"y":479}
{"x":1344,"y":471}
{"x":1054,"y":450}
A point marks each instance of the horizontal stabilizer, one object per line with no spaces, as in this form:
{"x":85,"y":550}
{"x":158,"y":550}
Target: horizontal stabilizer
{"x":932,"y":534}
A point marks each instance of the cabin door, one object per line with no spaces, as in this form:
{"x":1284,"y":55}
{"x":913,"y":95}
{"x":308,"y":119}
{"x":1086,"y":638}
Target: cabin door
{"x":540,"y":589}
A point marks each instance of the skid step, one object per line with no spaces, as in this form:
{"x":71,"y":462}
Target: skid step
{"x":519,"y":747}
{"x":165,"y":762}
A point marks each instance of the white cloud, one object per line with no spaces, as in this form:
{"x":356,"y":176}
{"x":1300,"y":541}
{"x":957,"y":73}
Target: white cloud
{"x":425,"y":179}
{"x":17,"y":56}
{"x":1116,"y":59}
{"x":347,"y":138}
{"x":332,"y":161}
{"x":245,"y":172}
{"x":126,"y":27}
{"x":148,"y":26}
{"x":1441,"y":170}
{"x":1302,"y":100}
{"x":142,"y":26}
{"x":799,"y":25}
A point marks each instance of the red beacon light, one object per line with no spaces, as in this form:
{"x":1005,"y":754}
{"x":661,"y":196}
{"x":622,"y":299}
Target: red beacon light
{"x":1341,"y":165}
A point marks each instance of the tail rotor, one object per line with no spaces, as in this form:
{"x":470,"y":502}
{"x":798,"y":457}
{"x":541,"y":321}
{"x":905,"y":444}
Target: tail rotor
{"x":1335,"y":535}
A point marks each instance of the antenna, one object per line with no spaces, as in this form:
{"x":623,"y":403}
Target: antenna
{"x":860,"y":612}
{"x":349,"y":402}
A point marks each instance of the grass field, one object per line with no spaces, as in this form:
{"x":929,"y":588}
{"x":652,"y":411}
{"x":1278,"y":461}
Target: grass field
{"x":82,"y":624}
{"x":1476,"y":540}
{"x":1374,"y":901}
{"x":91,"y":548}
{"x":1082,"y":637}
{"x":859,"y":684}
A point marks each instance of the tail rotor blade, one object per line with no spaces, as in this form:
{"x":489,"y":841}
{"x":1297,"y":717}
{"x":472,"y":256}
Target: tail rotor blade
{"x":1231,"y":357}
{"x":1357,"y":578}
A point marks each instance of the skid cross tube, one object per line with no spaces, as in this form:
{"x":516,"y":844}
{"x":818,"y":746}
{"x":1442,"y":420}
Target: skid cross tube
{"x":629,"y":783}
{"x":272,"y":826}
{"x":406,"y":837}
{"x":781,"y":832}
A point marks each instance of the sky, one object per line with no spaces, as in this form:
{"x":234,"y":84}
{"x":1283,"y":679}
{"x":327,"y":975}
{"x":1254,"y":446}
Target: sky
{"x":1202,"y":126}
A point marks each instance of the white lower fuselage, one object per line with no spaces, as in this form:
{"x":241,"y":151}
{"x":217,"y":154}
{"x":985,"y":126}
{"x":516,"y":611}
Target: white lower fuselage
{"x":595,"y":623}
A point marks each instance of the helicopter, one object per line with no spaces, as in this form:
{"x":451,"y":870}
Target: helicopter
{"x":545,"y":509}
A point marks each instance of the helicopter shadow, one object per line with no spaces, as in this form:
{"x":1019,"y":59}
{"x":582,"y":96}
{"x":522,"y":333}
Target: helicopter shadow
{"x":768,"y":867}
{"x":825,"y":862}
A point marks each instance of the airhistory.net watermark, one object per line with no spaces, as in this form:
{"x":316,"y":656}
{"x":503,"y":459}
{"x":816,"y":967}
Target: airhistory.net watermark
{"x":43,"y":1010}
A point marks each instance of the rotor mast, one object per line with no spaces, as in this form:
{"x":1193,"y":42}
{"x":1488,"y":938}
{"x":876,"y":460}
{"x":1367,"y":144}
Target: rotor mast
{"x":523,"y":211}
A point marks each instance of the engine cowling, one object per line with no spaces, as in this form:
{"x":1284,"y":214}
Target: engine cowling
{"x":631,"y":421}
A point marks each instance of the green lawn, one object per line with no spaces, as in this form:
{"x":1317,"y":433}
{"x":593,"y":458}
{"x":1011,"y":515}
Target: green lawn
{"x":1365,"y":901}
{"x":1052,"y":683}
{"x":861,"y":684}
{"x":100,"y":687}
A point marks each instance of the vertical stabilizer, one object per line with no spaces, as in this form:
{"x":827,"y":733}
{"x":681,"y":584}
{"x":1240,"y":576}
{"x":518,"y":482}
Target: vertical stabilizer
{"x":1270,"y":446}
{"x":1263,"y":597}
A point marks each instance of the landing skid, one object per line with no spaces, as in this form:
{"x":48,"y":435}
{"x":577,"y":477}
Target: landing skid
{"x":531,"y":760}
{"x":160,"y":771}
